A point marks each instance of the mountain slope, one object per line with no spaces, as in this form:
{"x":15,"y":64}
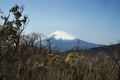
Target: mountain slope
{"x":62,"y":41}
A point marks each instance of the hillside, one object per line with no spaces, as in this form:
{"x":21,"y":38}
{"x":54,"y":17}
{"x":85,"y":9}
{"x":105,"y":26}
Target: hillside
{"x":21,"y":59}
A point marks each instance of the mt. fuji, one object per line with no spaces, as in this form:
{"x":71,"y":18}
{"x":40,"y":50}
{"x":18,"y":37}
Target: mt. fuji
{"x":61,"y":35}
{"x":63,"y":41}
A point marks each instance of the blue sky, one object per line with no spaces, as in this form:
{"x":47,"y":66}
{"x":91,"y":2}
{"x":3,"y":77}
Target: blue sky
{"x":96,"y":21}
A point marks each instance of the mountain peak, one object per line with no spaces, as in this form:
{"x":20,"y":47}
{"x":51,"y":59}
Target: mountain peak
{"x":61,"y":35}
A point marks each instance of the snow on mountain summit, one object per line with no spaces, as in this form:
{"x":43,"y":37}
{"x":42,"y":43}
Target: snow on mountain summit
{"x":61,"y":35}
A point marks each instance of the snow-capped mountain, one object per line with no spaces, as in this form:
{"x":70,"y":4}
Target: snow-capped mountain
{"x":62,"y":41}
{"x":61,"y":35}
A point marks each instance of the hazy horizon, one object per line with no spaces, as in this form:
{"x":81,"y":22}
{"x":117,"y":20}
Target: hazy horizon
{"x":96,"y":21}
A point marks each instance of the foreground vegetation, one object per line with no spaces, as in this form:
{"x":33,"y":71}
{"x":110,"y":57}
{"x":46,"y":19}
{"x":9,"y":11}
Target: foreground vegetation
{"x":21,"y":60}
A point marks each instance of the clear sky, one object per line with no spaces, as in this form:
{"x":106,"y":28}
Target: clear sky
{"x":96,"y":21}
